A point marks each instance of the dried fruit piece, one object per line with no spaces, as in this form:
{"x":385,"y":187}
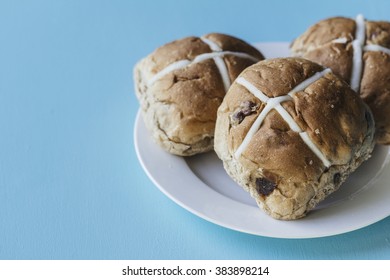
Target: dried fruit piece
{"x":246,"y":108}
{"x":336,"y":178}
{"x":265,"y":186}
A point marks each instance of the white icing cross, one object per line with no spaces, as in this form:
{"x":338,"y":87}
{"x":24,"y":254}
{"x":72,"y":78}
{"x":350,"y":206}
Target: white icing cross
{"x":358,"y":48}
{"x":216,"y":55}
{"x":376,"y":48}
{"x":357,"y":45}
{"x":275,"y":103}
{"x":219,"y":62}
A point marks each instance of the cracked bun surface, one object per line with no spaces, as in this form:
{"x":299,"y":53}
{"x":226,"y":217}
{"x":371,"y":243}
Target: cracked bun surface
{"x":181,"y":85}
{"x":359,"y":52}
{"x":290,"y":132}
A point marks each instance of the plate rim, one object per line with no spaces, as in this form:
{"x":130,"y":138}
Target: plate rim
{"x":152,"y":176}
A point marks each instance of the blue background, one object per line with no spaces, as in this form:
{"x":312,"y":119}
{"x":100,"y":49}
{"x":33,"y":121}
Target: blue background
{"x":71,"y":186}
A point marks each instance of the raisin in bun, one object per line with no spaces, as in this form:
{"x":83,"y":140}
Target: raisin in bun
{"x":290,"y":132}
{"x":181,"y":85}
{"x":358,"y":51}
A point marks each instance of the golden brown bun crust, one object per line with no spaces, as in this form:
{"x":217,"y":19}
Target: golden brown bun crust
{"x":180,"y":108}
{"x":316,"y":44}
{"x":276,"y":159}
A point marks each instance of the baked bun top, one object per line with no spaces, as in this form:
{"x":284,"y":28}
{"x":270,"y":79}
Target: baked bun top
{"x":190,"y":48}
{"x":359,"y":52}
{"x":293,"y":118}
{"x":189,"y":78}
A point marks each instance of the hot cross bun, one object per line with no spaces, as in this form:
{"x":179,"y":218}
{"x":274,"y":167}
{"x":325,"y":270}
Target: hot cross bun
{"x":359,"y":52}
{"x":181,"y":84}
{"x":290,"y":132}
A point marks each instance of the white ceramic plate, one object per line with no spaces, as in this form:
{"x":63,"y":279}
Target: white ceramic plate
{"x":201,"y":185}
